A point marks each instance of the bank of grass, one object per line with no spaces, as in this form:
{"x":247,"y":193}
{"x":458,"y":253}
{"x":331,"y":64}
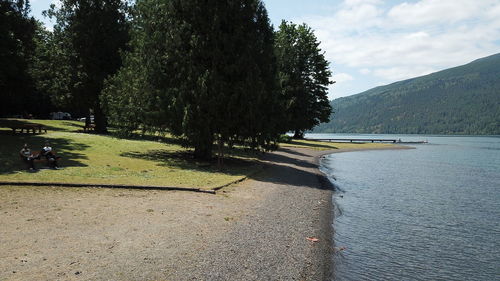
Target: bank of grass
{"x":104,"y":159}
{"x":321,"y":145}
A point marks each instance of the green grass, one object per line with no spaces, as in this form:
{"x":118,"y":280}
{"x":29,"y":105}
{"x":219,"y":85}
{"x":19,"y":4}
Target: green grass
{"x":103,"y":159}
{"x":319,"y":145}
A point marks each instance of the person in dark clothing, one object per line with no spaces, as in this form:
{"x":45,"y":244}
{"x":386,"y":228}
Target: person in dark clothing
{"x":50,"y":156}
{"x":27,"y":157}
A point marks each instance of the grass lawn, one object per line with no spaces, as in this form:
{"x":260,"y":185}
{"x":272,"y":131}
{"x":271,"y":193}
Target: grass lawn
{"x":103,"y":159}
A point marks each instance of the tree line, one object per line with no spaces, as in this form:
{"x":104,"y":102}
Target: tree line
{"x":211,"y":72}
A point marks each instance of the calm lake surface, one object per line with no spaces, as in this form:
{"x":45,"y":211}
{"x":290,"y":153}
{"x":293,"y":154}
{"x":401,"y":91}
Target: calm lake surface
{"x":430,"y":213}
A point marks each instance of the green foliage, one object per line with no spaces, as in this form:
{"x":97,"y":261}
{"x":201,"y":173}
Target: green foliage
{"x":304,"y":77}
{"x":45,"y":70}
{"x":17,"y":30}
{"x":460,"y":100}
{"x":87,"y":38}
{"x":203,"y":70}
{"x":285,"y":139}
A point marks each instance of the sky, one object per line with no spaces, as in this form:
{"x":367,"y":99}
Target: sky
{"x":375,"y":42}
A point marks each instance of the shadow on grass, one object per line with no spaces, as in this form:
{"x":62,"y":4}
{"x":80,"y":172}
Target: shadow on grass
{"x":12,"y":144}
{"x":186,"y":160}
{"x":284,"y":167}
{"x":7,"y":124}
{"x":78,"y":126}
{"x":148,"y":137}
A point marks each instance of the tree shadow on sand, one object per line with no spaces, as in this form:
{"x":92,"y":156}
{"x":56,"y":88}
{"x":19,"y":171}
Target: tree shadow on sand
{"x":284,"y":168}
{"x":294,"y":152}
{"x":292,"y":176}
{"x":281,"y":167}
{"x":285,"y":156}
{"x":12,"y":144}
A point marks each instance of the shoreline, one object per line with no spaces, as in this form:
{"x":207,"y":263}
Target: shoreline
{"x":253,"y":230}
{"x":328,"y":215}
{"x":327,"y":181}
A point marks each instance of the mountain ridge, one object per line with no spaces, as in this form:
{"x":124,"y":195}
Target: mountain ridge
{"x":459,"y":100}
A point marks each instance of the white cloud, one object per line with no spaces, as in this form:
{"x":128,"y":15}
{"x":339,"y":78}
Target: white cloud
{"x":360,"y":15}
{"x":57,"y":3}
{"x":351,"y":3}
{"x":365,"y":71}
{"x":494,"y":12}
{"x":342,"y":77}
{"x":418,"y":35}
{"x":408,"y":39}
{"x":435,"y":11}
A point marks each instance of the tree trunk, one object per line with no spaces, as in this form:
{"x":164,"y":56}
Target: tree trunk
{"x":203,"y":151}
{"x":299,"y":134}
{"x":88,"y":121}
{"x":100,"y":121}
{"x":220,"y":154}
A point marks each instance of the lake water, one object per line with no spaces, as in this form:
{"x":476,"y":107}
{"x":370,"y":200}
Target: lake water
{"x":430,"y":213}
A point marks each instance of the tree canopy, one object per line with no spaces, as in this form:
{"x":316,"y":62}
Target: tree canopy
{"x":214,"y":73}
{"x":304,"y":77}
{"x":17,"y":46}
{"x":88,"y":35}
{"x":204,"y":70}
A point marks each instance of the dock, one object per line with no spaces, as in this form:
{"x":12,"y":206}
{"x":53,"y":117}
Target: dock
{"x":370,"y":140}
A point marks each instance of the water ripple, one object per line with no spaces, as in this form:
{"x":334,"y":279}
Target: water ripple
{"x":432,"y":213}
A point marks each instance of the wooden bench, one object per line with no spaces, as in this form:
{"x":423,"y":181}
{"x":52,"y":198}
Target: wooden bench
{"x":88,"y":128}
{"x":42,"y":158}
{"x":28,"y":127}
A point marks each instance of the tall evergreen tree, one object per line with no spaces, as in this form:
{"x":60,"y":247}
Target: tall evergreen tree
{"x":304,"y":76}
{"x":17,"y":30}
{"x":205,"y":70}
{"x":89,"y":36}
{"x":44,"y":69}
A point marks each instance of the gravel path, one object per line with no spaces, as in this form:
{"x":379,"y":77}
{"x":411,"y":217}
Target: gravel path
{"x":270,"y":242}
{"x":255,"y":230}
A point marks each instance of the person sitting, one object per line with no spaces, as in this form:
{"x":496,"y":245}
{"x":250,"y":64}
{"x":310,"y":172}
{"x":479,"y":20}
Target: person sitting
{"x":27,"y":157}
{"x":50,"y":156}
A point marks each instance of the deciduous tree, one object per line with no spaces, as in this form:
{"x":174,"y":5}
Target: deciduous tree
{"x":89,"y":35}
{"x":304,"y":76}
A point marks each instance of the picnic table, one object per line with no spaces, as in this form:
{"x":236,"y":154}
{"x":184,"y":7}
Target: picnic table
{"x":34,"y":128}
{"x":89,"y":127}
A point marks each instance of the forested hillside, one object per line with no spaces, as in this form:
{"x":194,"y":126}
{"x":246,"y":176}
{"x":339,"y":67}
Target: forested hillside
{"x":459,"y":100}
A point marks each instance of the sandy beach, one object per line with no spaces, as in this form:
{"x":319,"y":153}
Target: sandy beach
{"x":254,"y":230}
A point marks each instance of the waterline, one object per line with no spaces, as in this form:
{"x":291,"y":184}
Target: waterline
{"x":426,"y":214}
